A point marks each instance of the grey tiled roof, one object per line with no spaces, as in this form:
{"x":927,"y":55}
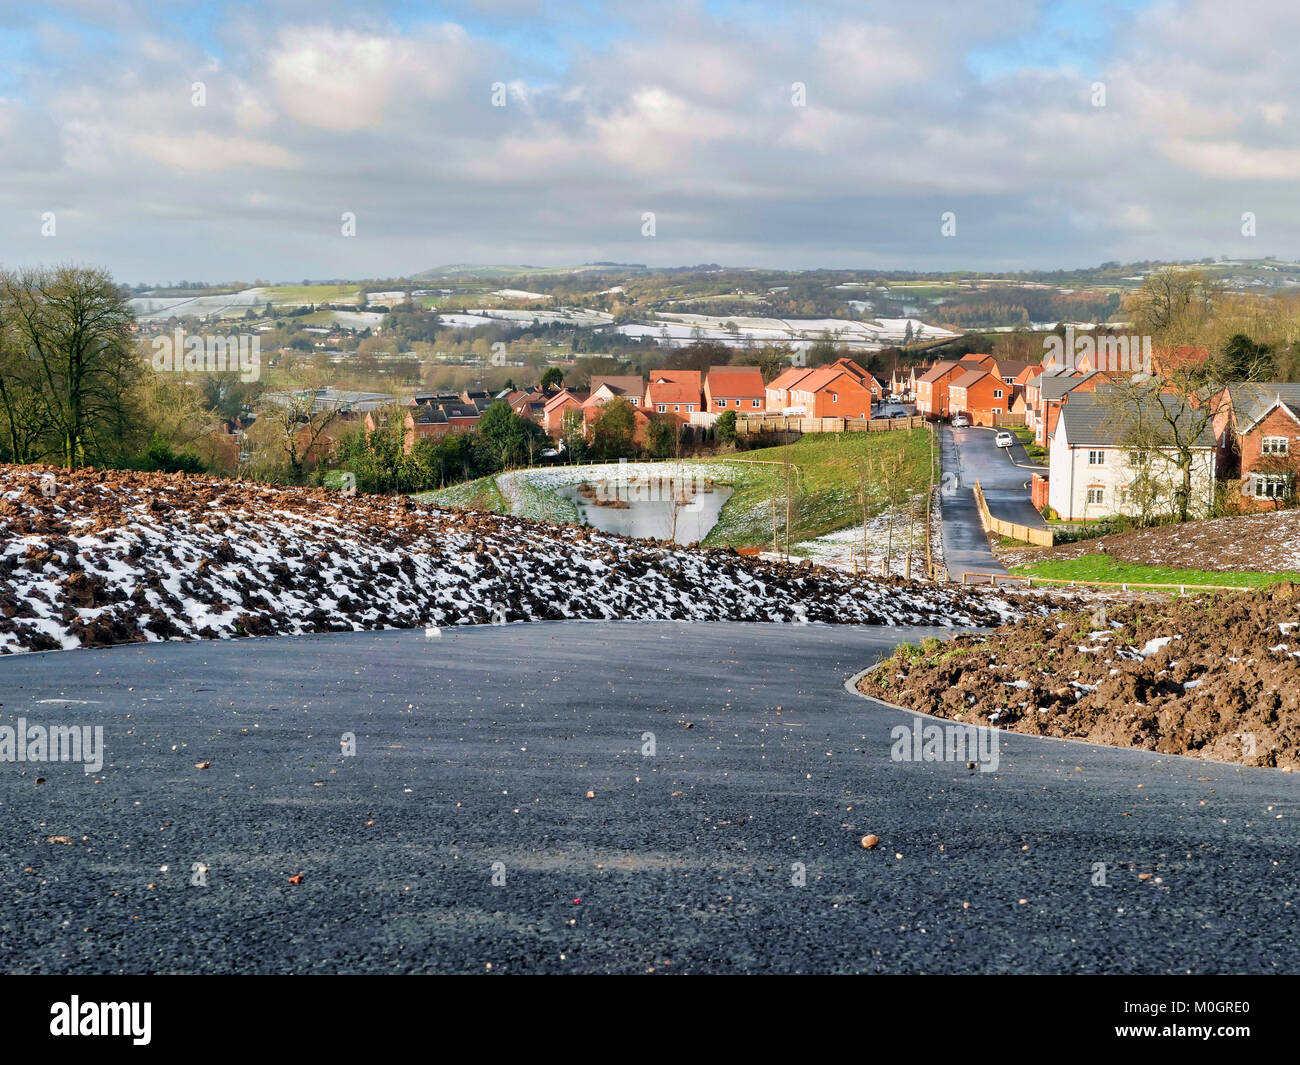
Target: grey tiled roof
{"x":1089,"y":418}
{"x":1048,"y":372}
{"x":1053,"y":388}
{"x":1251,"y":401}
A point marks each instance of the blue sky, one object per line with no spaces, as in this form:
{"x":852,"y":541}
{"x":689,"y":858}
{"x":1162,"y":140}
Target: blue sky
{"x":836,"y":134}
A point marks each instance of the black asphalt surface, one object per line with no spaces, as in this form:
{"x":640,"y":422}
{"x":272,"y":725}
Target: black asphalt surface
{"x":969,"y":455}
{"x":480,"y":747}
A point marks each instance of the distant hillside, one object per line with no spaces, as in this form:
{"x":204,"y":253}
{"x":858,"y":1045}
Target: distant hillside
{"x":472,"y":270}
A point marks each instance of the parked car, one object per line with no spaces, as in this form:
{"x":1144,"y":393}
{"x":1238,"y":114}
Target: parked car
{"x":1004,"y":439}
{"x":959,"y":421}
{"x":898,"y":414}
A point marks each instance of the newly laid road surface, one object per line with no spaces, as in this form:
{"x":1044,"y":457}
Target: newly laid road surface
{"x":969,"y":455}
{"x":480,"y":747}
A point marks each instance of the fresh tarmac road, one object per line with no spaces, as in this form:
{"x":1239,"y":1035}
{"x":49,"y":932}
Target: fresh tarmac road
{"x":479,"y":747}
{"x":969,"y":455}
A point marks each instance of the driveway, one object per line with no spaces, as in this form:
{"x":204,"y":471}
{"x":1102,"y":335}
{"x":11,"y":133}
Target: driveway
{"x":969,"y":455}
{"x":504,"y":808}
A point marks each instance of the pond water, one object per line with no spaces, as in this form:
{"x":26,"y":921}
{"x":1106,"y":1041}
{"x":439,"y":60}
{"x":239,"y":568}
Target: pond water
{"x":680,"y":509}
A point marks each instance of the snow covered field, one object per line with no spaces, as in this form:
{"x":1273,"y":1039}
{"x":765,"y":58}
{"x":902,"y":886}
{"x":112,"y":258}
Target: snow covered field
{"x":94,"y":558}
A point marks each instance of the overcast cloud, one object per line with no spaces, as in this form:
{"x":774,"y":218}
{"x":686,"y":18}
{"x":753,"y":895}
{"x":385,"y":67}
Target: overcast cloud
{"x":615,"y":109}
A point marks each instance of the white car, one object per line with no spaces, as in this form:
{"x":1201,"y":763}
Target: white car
{"x":959,"y":421}
{"x":1004,"y":440}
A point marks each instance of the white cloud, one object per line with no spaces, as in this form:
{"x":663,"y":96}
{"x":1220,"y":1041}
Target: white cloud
{"x":675,"y":110}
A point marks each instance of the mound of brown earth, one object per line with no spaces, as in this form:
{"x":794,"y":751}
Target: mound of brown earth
{"x":1216,"y":676}
{"x":1262,"y":543}
{"x":94,"y":557}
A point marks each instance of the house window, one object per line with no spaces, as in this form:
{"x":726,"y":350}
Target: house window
{"x":677,"y":408}
{"x":995,"y":410}
{"x":1138,"y":458}
{"x":1096,"y":458}
{"x":997,"y":393}
{"x":1096,"y":495}
{"x":835,"y":397}
{"x":754,"y":402}
{"x":1274,"y":445}
{"x":1271,"y":485}
{"x":721,"y":402}
{"x":636,"y":402}
{"x":663,"y":408}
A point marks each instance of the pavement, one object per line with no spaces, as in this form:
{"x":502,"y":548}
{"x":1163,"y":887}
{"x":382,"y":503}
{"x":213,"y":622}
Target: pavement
{"x":570,"y":797}
{"x":969,"y":455}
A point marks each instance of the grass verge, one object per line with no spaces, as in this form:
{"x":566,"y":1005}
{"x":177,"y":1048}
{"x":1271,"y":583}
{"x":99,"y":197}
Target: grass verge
{"x":1100,"y":567}
{"x":831,"y":468}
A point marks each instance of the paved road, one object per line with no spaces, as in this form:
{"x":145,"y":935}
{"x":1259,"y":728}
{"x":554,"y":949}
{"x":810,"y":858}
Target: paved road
{"x":480,"y":747}
{"x":970,"y":455}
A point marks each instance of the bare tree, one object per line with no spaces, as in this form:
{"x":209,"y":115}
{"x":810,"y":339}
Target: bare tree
{"x":291,"y":425}
{"x":1163,"y":423}
{"x":1173,"y":305}
{"x":69,"y":362}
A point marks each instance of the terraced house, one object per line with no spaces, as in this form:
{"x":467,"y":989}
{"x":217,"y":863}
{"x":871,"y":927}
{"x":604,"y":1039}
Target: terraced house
{"x":932,"y":395}
{"x":982,"y":396}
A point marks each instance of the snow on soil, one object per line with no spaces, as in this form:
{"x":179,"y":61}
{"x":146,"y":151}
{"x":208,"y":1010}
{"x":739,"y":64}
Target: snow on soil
{"x":94,"y":558}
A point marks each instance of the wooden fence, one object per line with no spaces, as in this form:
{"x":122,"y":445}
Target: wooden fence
{"x":783,"y":424}
{"x":1041,"y":537}
{"x":971,"y":577}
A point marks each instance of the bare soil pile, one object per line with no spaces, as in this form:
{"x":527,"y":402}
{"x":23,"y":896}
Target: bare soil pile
{"x":1216,"y":676}
{"x":1261,"y":543}
{"x":93,"y":558}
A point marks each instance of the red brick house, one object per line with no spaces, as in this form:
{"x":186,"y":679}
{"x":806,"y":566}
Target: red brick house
{"x":591,"y":411}
{"x":1034,"y":393}
{"x":629,"y":386}
{"x":981,"y":396}
{"x":557,"y":406}
{"x":1257,"y":430}
{"x":679,"y":393}
{"x":777,"y":392}
{"x":832,"y":392}
{"x":1053,"y":393}
{"x":932,"y":387}
{"x":738,"y":388}
{"x":423,"y":421}
{"x":874,"y":384}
